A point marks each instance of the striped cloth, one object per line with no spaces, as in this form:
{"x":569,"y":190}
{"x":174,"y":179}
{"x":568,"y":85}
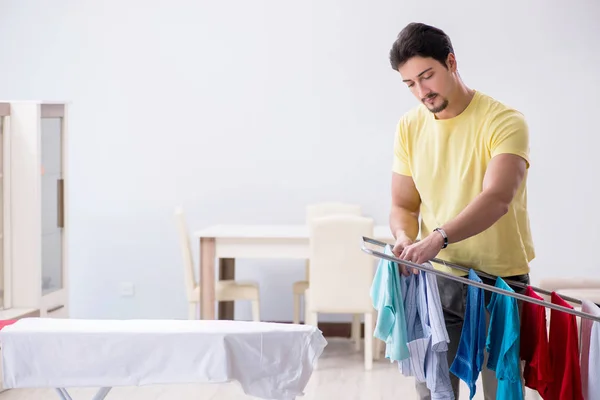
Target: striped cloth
{"x":426,"y":334}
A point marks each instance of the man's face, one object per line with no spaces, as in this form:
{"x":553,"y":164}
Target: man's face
{"x":429,"y":81}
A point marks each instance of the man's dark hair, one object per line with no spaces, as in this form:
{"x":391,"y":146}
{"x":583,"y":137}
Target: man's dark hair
{"x":418,"y":39}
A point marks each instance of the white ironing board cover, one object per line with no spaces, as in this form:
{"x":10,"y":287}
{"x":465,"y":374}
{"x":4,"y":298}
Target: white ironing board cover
{"x":269,"y":360}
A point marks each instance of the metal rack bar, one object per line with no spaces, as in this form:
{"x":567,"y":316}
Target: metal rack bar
{"x":472,"y":283}
{"x":481,"y":273}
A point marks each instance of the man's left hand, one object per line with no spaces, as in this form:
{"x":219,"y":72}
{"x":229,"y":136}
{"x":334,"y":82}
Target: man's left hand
{"x":424,"y":250}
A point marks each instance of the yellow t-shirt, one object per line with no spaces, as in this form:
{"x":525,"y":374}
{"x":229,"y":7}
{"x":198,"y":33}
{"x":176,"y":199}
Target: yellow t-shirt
{"x":447,"y":160}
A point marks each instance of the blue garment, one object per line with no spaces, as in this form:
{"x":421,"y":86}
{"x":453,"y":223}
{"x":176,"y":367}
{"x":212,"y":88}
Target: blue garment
{"x":503,"y":343}
{"x":387,"y":300}
{"x":468,"y":361}
{"x":427,"y":335}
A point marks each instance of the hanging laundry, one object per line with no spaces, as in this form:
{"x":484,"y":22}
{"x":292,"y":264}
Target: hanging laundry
{"x":426,"y":334}
{"x":564,"y":354}
{"x":6,"y":322}
{"x":503,"y":342}
{"x":388,"y":301}
{"x":590,"y":352}
{"x":534,"y":344}
{"x":468,"y":361}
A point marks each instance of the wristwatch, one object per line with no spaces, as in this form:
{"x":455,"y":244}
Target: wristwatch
{"x":443,"y":233}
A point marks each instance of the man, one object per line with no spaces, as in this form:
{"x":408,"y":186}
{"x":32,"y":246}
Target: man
{"x":460,"y":166}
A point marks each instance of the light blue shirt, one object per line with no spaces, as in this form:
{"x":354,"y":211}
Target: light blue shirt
{"x":427,"y":335}
{"x":503,"y":342}
{"x":469,"y":356}
{"x":387,"y":300}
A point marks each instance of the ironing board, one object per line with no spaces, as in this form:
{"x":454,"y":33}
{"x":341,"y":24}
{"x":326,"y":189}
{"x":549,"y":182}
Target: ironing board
{"x":269,"y":360}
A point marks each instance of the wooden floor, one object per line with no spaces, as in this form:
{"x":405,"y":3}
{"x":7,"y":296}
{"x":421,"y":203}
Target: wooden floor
{"x":340,"y":375}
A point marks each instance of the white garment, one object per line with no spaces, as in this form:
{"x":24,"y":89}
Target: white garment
{"x":590,"y":352}
{"x":426,"y":334}
{"x":269,"y":360}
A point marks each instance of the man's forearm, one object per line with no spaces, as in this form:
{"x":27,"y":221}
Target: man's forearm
{"x":404,"y":223}
{"x":478,"y":216}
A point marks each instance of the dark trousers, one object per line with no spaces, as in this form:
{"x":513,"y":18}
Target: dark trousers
{"x":453,"y":295}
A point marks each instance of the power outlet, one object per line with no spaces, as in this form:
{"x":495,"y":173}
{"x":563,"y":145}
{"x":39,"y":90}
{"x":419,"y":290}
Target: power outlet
{"x":127,"y":289}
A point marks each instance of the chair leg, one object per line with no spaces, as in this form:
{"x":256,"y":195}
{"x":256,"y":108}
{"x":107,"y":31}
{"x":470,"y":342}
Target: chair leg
{"x":307,"y":270}
{"x":307,"y":314}
{"x":378,"y":345}
{"x":377,"y":348}
{"x":356,"y":331}
{"x":192,"y":310}
{"x":368,"y":341}
{"x":312,"y":318}
{"x":296,"y":308}
{"x":256,"y":310}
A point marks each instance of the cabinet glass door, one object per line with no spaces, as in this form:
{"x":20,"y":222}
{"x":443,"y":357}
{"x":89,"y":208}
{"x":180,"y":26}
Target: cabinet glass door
{"x":52,"y":204}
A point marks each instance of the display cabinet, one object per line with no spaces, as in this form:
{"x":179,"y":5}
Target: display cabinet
{"x":35,"y":221}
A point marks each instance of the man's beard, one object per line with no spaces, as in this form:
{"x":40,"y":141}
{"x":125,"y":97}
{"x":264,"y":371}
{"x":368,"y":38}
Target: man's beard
{"x":439,"y":108}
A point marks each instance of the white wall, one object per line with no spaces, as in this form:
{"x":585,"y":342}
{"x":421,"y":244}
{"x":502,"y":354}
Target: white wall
{"x":244,"y":112}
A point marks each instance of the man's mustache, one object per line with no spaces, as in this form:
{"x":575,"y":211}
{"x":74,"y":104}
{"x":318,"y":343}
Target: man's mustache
{"x":429,"y":96}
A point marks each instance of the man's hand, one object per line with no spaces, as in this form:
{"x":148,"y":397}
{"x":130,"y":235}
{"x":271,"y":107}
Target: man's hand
{"x":402,"y":243}
{"x":421,"y":251}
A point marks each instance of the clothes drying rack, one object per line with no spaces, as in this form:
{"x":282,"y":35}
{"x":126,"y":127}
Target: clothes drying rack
{"x":484,"y":286}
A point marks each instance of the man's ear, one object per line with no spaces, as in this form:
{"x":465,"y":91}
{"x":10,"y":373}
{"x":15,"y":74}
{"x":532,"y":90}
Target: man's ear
{"x":451,"y":63}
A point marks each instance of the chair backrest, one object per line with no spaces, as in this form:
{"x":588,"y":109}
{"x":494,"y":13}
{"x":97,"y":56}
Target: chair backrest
{"x":331,"y":208}
{"x":341,"y":273}
{"x":325,"y":209}
{"x":186,"y":252}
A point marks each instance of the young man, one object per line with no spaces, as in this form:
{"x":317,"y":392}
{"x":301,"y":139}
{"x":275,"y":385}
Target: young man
{"x":460,"y":164}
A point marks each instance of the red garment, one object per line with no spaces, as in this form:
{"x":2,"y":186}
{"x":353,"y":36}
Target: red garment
{"x":564,"y":355}
{"x":6,"y":322}
{"x":534,"y":344}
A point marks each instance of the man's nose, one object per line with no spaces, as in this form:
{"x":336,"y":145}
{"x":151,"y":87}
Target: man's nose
{"x":422,"y":91}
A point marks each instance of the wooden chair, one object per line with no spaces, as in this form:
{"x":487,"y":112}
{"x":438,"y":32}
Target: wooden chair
{"x":299,"y":288}
{"x":225,"y":290}
{"x":341,"y":274}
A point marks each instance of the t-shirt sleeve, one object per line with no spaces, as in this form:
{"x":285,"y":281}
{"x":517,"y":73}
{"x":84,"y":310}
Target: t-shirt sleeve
{"x":400,"y":164}
{"x":509,"y":134}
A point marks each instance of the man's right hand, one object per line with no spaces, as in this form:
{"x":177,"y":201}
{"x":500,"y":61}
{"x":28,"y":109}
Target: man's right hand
{"x":398,"y":248}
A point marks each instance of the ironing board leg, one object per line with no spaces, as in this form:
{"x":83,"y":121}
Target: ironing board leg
{"x":62,"y":393}
{"x":102,"y":392}
{"x":100,"y":395}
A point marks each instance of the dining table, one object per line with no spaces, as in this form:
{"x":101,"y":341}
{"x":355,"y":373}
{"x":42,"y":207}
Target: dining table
{"x":225,"y":243}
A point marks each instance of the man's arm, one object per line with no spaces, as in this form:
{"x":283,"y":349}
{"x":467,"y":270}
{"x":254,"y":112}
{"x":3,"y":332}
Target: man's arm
{"x":404,"y":214}
{"x":406,"y":201}
{"x":503,"y":178}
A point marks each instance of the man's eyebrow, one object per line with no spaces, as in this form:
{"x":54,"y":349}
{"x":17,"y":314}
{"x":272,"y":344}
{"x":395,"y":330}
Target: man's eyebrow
{"x":428,"y":69}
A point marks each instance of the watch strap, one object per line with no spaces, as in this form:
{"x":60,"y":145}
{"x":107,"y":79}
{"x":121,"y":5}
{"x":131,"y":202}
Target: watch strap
{"x":443,"y":233}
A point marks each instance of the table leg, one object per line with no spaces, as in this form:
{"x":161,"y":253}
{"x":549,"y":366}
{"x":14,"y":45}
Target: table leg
{"x":207,"y":278}
{"x":226,"y":271}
